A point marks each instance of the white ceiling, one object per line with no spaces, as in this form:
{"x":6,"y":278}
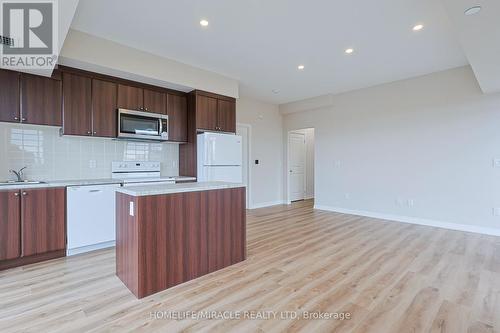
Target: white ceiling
{"x":479,"y":36}
{"x":261,"y":42}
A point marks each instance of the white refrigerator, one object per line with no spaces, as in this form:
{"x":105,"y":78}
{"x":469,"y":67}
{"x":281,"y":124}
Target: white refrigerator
{"x":219,"y":157}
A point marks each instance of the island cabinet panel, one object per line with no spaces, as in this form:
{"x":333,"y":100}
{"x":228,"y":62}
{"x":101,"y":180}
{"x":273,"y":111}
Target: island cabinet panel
{"x":170,"y":240}
{"x":226,"y":233}
{"x":127,"y":243}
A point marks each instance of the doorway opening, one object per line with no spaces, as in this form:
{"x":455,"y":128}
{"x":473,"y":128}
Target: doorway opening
{"x":245,"y":131}
{"x":300,"y":165}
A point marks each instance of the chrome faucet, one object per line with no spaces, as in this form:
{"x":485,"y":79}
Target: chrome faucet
{"x":19,"y":174}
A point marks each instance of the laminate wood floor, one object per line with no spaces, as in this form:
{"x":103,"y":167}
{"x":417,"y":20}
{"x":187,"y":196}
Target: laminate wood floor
{"x":389,"y":277}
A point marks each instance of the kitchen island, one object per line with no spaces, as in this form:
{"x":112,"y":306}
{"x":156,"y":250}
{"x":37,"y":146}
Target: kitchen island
{"x":170,"y":234}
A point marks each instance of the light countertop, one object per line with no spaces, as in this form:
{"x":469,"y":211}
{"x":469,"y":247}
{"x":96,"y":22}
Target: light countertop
{"x":79,"y":182}
{"x":140,"y":191}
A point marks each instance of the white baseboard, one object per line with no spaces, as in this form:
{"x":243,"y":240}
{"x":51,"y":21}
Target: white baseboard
{"x":413,"y":220}
{"x":267,"y":204}
{"x":83,"y":249}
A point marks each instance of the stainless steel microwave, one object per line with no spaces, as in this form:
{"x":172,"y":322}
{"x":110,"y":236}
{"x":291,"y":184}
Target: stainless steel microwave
{"x":141,"y":125}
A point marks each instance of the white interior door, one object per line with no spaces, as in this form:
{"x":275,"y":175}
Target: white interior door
{"x":296,"y":165}
{"x":244,"y":132}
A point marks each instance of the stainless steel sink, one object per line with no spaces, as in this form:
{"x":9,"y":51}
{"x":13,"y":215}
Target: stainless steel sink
{"x":25,"y":182}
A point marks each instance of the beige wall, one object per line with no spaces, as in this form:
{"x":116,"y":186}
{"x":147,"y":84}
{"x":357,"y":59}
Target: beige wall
{"x":266,"y":145}
{"x":419,"y":150}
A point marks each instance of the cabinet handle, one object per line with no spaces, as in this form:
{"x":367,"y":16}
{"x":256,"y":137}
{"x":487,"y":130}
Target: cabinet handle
{"x":16,"y":194}
{"x":95,"y":133}
{"x":89,"y":132}
{"x":23,"y":119}
{"x":16,"y":118}
{"x":24,"y":193}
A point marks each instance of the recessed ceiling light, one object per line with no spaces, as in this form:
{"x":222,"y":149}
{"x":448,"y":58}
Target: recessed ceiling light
{"x":349,"y":51}
{"x":300,"y":67}
{"x":472,"y":10}
{"x":418,"y":27}
{"x":204,"y":23}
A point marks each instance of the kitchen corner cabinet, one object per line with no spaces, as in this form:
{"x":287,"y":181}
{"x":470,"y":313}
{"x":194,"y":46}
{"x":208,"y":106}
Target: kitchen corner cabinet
{"x":41,"y":100}
{"x":177,"y":118}
{"x":9,"y":96}
{"x":32,"y":225}
{"x":215,"y":114}
{"x":89,"y":106}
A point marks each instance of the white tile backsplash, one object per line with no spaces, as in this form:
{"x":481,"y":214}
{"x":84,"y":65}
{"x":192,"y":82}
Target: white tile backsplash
{"x":50,"y":156}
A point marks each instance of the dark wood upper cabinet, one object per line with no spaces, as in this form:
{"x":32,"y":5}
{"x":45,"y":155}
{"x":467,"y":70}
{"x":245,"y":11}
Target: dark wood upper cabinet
{"x":206,"y":113}
{"x":41,"y":100}
{"x":9,"y":96}
{"x":131,"y":98}
{"x":77,"y":104}
{"x":43,"y":219}
{"x":10,"y":225}
{"x":226,"y":113}
{"x":104,"y":108}
{"x":177,"y":117}
{"x":155,"y":101}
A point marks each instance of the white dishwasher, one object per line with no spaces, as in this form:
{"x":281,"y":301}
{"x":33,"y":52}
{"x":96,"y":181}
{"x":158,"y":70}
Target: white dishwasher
{"x":90,"y":217}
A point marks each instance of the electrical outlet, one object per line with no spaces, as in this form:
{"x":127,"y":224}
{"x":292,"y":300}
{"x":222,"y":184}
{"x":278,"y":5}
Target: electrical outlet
{"x":496,"y":162}
{"x":410,"y":203}
{"x":336,"y":164}
{"x":496,"y":211}
{"x":174,"y":164}
{"x":131,"y":208}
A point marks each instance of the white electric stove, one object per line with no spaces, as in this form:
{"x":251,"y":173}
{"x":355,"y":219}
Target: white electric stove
{"x":139,"y":173}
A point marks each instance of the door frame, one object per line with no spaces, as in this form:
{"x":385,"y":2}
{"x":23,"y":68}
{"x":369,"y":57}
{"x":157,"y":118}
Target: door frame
{"x":287,"y":170}
{"x":249,"y":171}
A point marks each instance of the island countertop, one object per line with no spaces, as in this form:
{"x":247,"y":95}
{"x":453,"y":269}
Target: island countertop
{"x":139,"y":191}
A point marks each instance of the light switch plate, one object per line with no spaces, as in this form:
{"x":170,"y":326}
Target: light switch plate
{"x":496,"y":211}
{"x":496,"y":162}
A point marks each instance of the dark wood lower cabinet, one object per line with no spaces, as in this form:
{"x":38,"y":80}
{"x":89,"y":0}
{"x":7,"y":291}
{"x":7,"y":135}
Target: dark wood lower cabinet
{"x":43,"y":220}
{"x":10,"y":225}
{"x":32,"y":226}
{"x":174,"y":238}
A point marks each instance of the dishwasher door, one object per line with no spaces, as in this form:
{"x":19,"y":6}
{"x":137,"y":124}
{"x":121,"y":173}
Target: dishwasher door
{"x":91,"y":217}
